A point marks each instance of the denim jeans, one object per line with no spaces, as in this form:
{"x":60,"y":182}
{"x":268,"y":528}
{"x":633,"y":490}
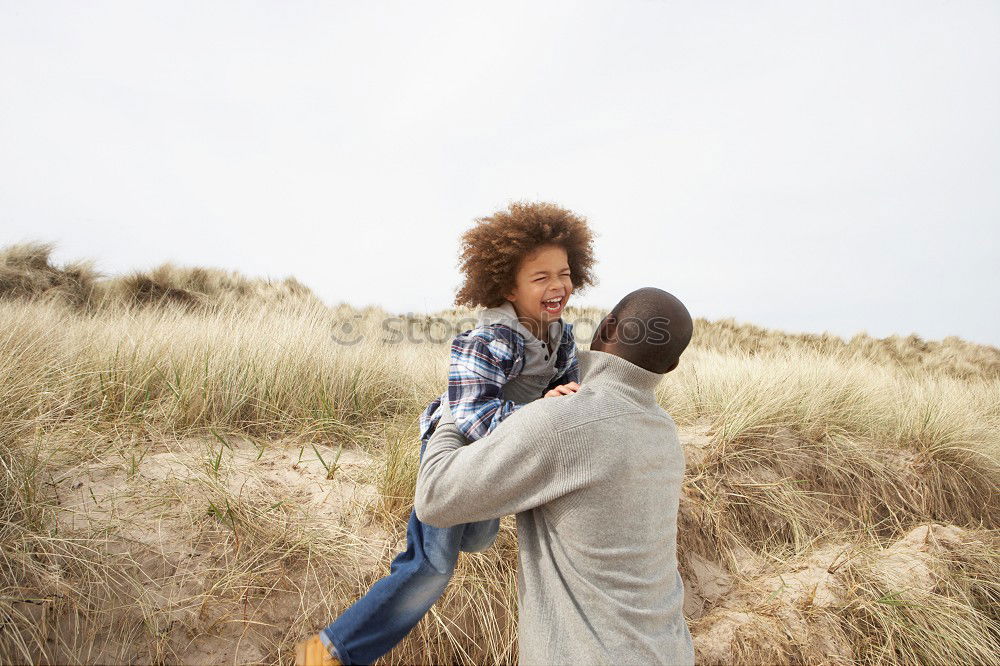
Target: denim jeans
{"x":376,"y":622}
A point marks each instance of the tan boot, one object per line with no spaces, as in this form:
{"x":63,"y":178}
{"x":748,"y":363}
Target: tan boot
{"x":312,"y":652}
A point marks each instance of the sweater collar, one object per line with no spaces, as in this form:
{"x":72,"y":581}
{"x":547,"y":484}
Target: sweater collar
{"x":599,"y":368}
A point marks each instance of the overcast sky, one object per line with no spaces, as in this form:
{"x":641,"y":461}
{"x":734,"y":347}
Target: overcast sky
{"x":807,"y":166}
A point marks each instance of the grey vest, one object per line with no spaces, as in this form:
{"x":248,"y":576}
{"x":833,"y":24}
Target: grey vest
{"x":537,"y":367}
{"x":539,"y":359}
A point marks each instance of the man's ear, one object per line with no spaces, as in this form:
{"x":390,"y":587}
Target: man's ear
{"x":609,"y":330}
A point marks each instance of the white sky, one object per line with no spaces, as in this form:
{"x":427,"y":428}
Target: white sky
{"x":808,"y":166}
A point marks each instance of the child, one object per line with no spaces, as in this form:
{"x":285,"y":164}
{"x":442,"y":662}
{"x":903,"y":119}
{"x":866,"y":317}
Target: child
{"x":522,"y":264}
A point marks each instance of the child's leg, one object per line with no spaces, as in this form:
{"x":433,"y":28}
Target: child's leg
{"x":480,"y":536}
{"x":376,"y":622}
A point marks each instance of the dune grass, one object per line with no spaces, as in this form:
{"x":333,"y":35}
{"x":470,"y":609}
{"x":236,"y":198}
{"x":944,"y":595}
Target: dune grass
{"x":211,"y":468}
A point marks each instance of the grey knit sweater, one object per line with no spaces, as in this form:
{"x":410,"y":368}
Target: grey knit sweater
{"x":595,"y":480}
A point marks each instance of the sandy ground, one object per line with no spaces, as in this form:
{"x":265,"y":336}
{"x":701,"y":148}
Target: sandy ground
{"x":154,"y":512}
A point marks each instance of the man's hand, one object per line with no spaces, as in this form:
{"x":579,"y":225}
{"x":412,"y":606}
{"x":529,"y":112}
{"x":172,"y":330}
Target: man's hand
{"x":565,"y":389}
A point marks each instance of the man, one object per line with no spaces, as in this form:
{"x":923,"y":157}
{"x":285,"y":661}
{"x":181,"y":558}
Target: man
{"x":594,"y":478}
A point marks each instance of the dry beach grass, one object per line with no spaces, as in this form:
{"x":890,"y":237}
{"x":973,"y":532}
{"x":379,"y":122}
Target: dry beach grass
{"x":194,"y":470}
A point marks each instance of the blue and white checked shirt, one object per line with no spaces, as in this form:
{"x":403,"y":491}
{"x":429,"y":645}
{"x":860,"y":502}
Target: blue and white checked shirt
{"x":483,"y":359}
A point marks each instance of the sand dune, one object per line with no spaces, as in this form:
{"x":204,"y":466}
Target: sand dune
{"x":195,"y":468}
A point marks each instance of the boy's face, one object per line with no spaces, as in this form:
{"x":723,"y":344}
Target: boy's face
{"x":542,"y":276}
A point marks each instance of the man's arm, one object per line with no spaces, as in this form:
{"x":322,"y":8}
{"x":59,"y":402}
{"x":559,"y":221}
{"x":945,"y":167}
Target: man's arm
{"x":521,"y":465}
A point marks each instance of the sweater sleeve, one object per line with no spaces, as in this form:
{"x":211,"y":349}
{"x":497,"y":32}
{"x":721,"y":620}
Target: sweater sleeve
{"x":518,"y":467}
{"x":482,"y":361}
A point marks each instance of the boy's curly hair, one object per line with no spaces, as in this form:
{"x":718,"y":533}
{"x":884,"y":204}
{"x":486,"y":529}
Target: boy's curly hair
{"x":492,"y":250}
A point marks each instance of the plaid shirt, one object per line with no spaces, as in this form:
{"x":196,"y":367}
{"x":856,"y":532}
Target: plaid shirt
{"x":482,"y":361}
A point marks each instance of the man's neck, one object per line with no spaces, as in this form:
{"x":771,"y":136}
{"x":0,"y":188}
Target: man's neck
{"x":602,"y":369}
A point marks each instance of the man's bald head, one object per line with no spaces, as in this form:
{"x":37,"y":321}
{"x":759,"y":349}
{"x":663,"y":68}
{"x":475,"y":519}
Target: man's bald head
{"x":649,"y":328}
